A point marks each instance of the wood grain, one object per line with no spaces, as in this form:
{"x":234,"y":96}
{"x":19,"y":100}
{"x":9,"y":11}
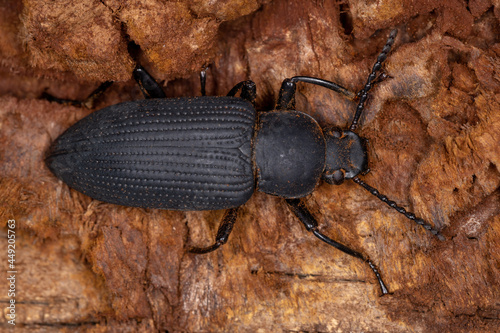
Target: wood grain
{"x":433,"y":128}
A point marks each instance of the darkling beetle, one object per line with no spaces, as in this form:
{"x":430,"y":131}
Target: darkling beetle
{"x":209,"y":153}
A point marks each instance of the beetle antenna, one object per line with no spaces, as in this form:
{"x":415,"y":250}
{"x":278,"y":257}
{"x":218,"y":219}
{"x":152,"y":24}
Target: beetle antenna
{"x":399,"y":209}
{"x":364,"y":93}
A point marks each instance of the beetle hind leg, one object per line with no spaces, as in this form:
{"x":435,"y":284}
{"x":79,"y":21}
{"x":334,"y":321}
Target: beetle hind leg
{"x":300,"y":210}
{"x":225,"y":229}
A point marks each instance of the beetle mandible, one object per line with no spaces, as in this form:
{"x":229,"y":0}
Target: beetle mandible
{"x":208,"y":153}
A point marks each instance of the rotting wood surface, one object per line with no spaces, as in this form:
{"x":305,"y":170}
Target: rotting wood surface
{"x":433,"y":128}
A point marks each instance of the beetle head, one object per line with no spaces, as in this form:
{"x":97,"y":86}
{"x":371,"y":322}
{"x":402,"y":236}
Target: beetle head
{"x":346,"y":155}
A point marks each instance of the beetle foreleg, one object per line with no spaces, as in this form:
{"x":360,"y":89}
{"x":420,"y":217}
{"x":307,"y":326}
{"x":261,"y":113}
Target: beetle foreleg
{"x":225,"y":229}
{"x":399,"y":209}
{"x":286,"y":99}
{"x":149,"y":87}
{"x":326,"y":84}
{"x":300,"y":210}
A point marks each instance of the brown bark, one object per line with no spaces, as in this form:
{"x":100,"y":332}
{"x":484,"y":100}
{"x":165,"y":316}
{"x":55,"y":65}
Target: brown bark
{"x":433,"y":128}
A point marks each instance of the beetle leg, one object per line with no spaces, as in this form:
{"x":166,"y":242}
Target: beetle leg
{"x":399,"y":209}
{"x":88,"y":102}
{"x":300,"y":210}
{"x":225,"y":229}
{"x":203,"y":81}
{"x":248,"y":90}
{"x":326,"y":84}
{"x":286,"y":99}
{"x":149,"y":87}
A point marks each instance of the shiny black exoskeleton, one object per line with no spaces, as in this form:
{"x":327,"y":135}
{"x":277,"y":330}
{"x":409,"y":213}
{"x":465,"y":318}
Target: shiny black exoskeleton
{"x":207,"y":153}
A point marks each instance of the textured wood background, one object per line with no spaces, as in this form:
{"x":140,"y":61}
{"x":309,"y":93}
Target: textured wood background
{"x":434,"y":133}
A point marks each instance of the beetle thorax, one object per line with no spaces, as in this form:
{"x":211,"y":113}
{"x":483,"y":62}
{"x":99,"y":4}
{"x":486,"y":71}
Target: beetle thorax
{"x":346,"y":155}
{"x":289,"y":153}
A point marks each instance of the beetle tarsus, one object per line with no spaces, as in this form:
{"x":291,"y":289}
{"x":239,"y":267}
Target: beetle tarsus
{"x":375,"y":270}
{"x":356,"y":254}
{"x":223,"y":233}
{"x":202,"y":250}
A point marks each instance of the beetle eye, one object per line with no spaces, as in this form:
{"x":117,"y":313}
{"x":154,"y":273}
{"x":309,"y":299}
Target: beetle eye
{"x":335,"y":177}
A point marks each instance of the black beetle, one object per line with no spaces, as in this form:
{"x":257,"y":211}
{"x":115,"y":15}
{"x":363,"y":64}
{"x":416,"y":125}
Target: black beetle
{"x":208,"y":153}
